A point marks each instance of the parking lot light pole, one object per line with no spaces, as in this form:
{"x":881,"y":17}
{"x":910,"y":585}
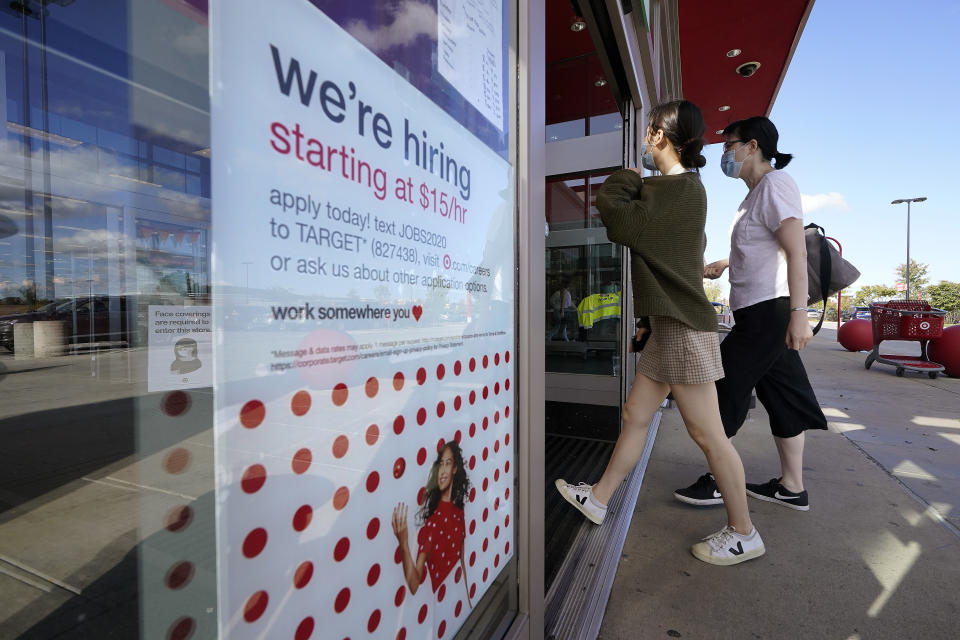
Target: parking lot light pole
{"x":908,"y":201}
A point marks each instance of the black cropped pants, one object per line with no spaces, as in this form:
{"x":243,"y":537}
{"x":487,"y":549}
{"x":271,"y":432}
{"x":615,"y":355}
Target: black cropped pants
{"x":755,"y":356}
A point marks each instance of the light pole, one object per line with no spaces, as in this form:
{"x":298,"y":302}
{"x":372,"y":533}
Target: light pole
{"x":908,"y":201}
{"x":246,"y":285}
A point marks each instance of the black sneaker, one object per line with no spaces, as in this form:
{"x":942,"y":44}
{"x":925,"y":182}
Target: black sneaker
{"x":703,"y":492}
{"x":773,"y":491}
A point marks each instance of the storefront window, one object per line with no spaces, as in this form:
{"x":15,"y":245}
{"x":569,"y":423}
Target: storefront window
{"x":579,"y":100}
{"x":242,"y":320}
{"x":583,"y":281}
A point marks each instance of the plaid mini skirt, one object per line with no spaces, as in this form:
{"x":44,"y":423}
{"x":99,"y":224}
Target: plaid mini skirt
{"x":677,"y":354}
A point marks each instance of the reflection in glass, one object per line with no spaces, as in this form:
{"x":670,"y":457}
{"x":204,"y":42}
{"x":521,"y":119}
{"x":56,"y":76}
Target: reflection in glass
{"x":583,"y":282}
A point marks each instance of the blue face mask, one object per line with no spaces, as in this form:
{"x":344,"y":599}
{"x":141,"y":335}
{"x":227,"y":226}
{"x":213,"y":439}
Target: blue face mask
{"x":729,"y":165}
{"x":646,"y":161}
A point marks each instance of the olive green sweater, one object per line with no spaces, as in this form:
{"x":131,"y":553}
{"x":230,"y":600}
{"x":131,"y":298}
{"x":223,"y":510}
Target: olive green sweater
{"x":661,"y":219}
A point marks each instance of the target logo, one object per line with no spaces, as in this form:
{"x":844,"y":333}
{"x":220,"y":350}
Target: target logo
{"x":925,"y":326}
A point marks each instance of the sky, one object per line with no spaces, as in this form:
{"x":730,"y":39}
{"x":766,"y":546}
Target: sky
{"x":869,"y":109}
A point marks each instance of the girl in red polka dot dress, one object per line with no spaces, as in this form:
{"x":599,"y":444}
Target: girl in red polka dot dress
{"x":443,"y":528}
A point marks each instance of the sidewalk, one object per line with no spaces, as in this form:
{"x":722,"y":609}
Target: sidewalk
{"x":877,"y":555}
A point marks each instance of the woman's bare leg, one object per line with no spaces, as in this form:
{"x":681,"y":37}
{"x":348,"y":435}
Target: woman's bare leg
{"x":701,"y":414}
{"x":791,"y":461}
{"x":645,"y":398}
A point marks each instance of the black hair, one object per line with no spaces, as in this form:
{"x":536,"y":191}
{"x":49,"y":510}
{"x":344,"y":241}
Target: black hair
{"x":682,"y":123}
{"x":760,"y":128}
{"x":461,"y":483}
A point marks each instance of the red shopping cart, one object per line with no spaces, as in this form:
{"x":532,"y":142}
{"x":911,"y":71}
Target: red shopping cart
{"x":905,"y":320}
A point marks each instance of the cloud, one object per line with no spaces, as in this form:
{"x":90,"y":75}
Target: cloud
{"x":410,"y":21}
{"x":832,"y":200}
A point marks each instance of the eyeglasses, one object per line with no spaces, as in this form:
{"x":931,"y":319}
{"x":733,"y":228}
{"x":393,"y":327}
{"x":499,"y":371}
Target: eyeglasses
{"x":726,"y":145}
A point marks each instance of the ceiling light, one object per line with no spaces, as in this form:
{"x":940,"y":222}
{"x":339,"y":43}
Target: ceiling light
{"x":600,"y":83}
{"x":725,"y":107}
{"x":733,"y":53}
{"x":578,"y":25}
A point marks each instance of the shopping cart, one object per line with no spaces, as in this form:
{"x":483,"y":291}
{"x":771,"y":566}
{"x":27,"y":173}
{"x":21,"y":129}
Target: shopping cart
{"x":905,"y":320}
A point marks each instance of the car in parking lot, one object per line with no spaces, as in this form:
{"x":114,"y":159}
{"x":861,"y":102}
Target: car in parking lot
{"x":861,"y":313}
{"x":88,"y":319}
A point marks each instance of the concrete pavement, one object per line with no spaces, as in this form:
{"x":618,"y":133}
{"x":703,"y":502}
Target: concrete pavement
{"x":877,"y":555}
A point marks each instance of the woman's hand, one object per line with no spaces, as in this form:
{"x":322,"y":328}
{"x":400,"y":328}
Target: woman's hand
{"x":799,"y":332}
{"x":715,"y":269}
{"x":636,"y":170}
{"x":400,"y":522}
{"x":636,"y":339}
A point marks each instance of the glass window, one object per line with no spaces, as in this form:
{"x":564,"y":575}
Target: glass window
{"x":579,"y":101}
{"x":583,"y":281}
{"x":140,"y":493}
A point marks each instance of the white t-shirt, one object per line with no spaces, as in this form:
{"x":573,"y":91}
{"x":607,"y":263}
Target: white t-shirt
{"x":758,"y":265}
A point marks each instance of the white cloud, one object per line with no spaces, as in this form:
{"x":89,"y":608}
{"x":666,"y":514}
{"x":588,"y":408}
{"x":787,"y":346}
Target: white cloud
{"x":832,"y":200}
{"x":411,"y":20}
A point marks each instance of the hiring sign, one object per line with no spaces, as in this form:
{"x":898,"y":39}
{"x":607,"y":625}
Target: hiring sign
{"x":363,"y":255}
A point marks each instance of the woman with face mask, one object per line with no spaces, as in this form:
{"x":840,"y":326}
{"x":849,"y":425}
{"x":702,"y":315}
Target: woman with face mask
{"x":768,"y":296}
{"x":661,"y":219}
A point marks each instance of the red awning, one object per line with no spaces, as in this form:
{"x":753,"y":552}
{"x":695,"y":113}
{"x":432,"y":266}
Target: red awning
{"x":764,"y":32}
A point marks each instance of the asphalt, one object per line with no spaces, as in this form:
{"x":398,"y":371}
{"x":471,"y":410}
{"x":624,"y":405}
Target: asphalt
{"x":876,"y":557}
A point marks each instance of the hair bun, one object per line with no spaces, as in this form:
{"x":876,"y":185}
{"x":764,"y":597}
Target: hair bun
{"x":782,"y":159}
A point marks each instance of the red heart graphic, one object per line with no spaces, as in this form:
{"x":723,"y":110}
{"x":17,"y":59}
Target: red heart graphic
{"x":417,"y":311}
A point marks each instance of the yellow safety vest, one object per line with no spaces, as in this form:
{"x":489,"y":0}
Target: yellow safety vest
{"x":597,"y":307}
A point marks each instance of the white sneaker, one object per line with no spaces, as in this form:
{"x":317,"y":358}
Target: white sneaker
{"x":580,"y":496}
{"x":726,"y":547}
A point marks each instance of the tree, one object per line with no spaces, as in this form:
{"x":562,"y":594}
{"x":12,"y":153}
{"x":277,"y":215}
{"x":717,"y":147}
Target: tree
{"x":874,"y":292}
{"x":918,"y":275}
{"x":946,"y":296}
{"x":713,"y":290}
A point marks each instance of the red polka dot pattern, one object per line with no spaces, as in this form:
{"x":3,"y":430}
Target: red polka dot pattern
{"x":302,"y":575}
{"x":178,"y":518}
{"x":254,"y":543}
{"x":300,"y":403}
{"x":252,"y":414}
{"x":454,"y":400}
{"x":304,"y":629}
{"x":176,"y":403}
{"x":342,"y":548}
{"x":179,"y":575}
{"x":182,"y":628}
{"x":373,"y":575}
{"x":302,"y":518}
{"x":339,"y":394}
{"x":302,"y":459}
{"x":255,"y":606}
{"x":374,"y":621}
{"x":176,"y":460}
{"x":343,"y":599}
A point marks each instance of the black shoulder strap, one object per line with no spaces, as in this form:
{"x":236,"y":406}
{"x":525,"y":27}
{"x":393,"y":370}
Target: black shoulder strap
{"x":826,"y":268}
